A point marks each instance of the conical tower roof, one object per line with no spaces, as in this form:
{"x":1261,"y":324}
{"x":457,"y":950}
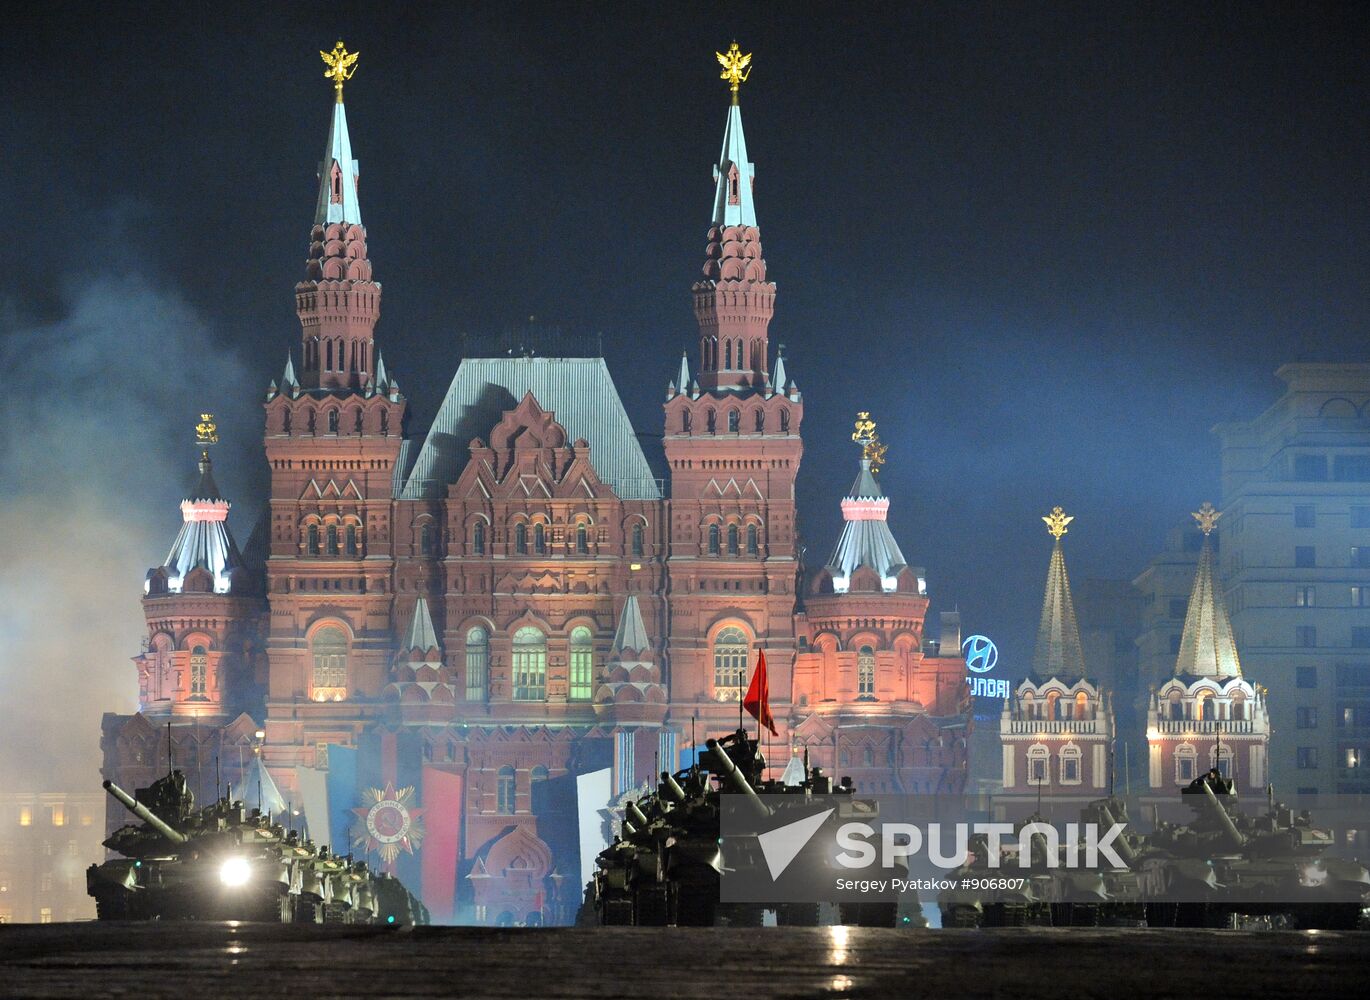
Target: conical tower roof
{"x":338,"y":172}
{"x":631,"y":633}
{"x":422,"y":636}
{"x":866,"y":538}
{"x":1059,"y":653}
{"x":204,"y":541}
{"x":1207,"y":646}
{"x":734,"y":175}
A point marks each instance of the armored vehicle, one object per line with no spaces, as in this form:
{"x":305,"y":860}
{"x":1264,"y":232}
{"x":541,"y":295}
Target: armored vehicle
{"x":664,"y":868}
{"x":1224,"y":868}
{"x":224,"y":862}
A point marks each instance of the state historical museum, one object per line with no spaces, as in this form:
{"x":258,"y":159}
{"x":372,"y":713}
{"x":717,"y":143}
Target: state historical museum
{"x":461,"y":649}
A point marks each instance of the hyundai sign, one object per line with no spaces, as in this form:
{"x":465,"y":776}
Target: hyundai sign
{"x":981,"y":657}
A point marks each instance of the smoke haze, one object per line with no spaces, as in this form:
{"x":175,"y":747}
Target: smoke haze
{"x":97,"y":437}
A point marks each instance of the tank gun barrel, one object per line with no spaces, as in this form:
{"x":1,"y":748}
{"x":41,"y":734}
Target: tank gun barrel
{"x":1224,"y":820}
{"x":637,"y":816}
{"x":672,"y":786}
{"x":145,"y":814}
{"x":725,"y":766}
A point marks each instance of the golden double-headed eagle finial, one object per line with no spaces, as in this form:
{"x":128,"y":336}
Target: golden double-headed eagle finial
{"x":736,"y":68}
{"x":1207,"y":516}
{"x":206,"y":431}
{"x":1056,"y":522}
{"x":341,"y":65}
{"x":872,"y":450}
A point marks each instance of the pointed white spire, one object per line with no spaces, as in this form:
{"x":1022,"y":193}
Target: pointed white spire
{"x":631,"y":634}
{"x":733,"y":176}
{"x":684,"y":380}
{"x":778,"y":378}
{"x":422,"y":637}
{"x":288,"y":378}
{"x":338,"y":174}
{"x":381,"y":377}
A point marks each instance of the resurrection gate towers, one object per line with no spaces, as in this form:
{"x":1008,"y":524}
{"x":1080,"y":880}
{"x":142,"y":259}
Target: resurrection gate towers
{"x":513,"y":599}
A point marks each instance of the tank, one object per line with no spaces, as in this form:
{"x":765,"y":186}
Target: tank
{"x":223,"y":862}
{"x":1225,"y":868}
{"x":1231,"y":868}
{"x":664,"y":868}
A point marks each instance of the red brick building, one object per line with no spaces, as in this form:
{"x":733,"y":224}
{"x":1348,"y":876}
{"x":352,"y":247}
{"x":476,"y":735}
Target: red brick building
{"x":487,"y":611}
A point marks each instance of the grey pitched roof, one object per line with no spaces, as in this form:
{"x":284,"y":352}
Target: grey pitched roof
{"x":404,"y":461}
{"x":579,"y":391}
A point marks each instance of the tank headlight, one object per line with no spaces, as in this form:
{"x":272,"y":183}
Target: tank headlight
{"x":235,"y":872}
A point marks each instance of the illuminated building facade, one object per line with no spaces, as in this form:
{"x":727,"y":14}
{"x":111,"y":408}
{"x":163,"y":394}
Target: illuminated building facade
{"x":46,"y":841}
{"x":486,"y":612}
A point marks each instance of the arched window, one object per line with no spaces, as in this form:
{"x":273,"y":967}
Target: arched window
{"x":504,"y":790}
{"x":352,"y":546}
{"x":582,"y":663}
{"x":1176,"y":706}
{"x":727,"y":354}
{"x":332,"y":421}
{"x":753,"y":543}
{"x":713,"y":539}
{"x":539,"y":538}
{"x":357,"y":421}
{"x":385,"y":423}
{"x":312,"y":534}
{"x":1070,"y":764}
{"x":425,"y":539}
{"x":1081,"y":705}
{"x":760,"y":421}
{"x":1238,"y":707}
{"x":199,"y":669}
{"x":638,"y":534}
{"x":477,"y":663}
{"x":684,"y":420}
{"x":530,"y":665}
{"x":1184,"y":763}
{"x":538,"y":773}
{"x":784,"y":421}
{"x":329,"y":648}
{"x":730,"y":663}
{"x":1038,"y":765}
{"x":521,"y":539}
{"x":478,"y":538}
{"x":711,"y":421}
{"x":332,"y":535}
{"x":1207,"y":709}
{"x":1054,"y":705}
{"x":865,"y":672}
{"x":733,"y":421}
{"x":328,"y":355}
{"x":732,"y":539}
{"x":582,"y":538}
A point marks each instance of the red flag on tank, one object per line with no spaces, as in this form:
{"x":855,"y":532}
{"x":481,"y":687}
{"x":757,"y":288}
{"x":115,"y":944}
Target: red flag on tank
{"x":758,"y":700}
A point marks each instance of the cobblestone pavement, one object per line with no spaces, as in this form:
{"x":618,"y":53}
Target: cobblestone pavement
{"x":193,"y":961}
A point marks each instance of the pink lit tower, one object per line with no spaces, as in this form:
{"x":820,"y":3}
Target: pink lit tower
{"x":733,"y":449}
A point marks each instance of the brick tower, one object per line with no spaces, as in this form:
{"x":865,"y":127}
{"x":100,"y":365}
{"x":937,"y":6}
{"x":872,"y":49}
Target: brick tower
{"x":332,"y":440}
{"x":733,"y":450}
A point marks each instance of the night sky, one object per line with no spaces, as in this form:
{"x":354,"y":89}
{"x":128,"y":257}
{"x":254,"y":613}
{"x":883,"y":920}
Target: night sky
{"x":1048,"y":246}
